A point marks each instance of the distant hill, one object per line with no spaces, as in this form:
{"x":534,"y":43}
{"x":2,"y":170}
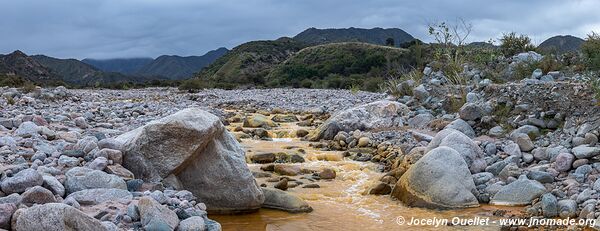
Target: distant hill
{"x":177,"y":67}
{"x":561,"y":44}
{"x":249,"y":63}
{"x":374,"y":36}
{"x":289,"y":63}
{"x":340,"y":65}
{"x":122,"y":65}
{"x":19,"y":64}
{"x":78,"y":73}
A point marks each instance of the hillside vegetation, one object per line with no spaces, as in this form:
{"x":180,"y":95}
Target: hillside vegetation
{"x":340,"y":65}
{"x":246,"y":64}
{"x":282,"y":63}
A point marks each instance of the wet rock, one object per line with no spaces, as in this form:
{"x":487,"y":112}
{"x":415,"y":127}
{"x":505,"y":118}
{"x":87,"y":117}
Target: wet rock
{"x":79,"y":178}
{"x":380,"y":189}
{"x":286,"y":169}
{"x":194,"y":145}
{"x":280,"y":200}
{"x":100,"y":195}
{"x":155,"y":216}
{"x":363,"y":142}
{"x":37,"y":195}
{"x":518,"y":193}
{"x":258,"y":121}
{"x":21,"y":181}
{"x":263,"y":158}
{"x":282,"y":184}
{"x":280,"y":118}
{"x":440,"y":179}
{"x":55,"y":216}
{"x":327,"y":174}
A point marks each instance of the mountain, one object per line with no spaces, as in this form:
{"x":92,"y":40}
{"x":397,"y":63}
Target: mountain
{"x":123,"y":65}
{"x":19,"y":64}
{"x":70,"y":70}
{"x":177,"y":67}
{"x":248,"y":63}
{"x":561,"y":44}
{"x":374,"y":36}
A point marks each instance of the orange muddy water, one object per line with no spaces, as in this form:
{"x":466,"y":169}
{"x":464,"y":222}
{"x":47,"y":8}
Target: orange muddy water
{"x":340,"y":204}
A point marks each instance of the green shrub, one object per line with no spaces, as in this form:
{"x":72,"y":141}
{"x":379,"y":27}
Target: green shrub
{"x":28,"y":87}
{"x":591,"y":51}
{"x":512,"y":44}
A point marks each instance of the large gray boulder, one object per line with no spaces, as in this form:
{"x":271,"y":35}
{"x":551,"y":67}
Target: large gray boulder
{"x":518,"y":193}
{"x":55,"y":217}
{"x":378,"y":114}
{"x":80,"y":178}
{"x":471,"y":152}
{"x":440,"y":180}
{"x":193,"y":149}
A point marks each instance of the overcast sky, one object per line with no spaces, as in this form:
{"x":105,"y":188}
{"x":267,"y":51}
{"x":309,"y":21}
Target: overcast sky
{"x":148,"y":28}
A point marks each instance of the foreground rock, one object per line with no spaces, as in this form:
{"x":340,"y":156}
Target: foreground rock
{"x":277,"y":199}
{"x":440,"y":180}
{"x":518,"y":193}
{"x":155,"y":216}
{"x":379,"y":114}
{"x":79,"y":178}
{"x":55,"y":216}
{"x":195,"y":151}
{"x":471,"y":153}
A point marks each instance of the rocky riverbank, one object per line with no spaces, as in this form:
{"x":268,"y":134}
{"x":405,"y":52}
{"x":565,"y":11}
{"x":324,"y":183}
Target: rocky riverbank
{"x":159,"y":158}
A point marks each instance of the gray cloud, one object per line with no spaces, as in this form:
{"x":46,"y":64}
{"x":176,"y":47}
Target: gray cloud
{"x":141,"y":28}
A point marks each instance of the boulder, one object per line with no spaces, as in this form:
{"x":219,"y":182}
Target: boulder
{"x":21,"y":181}
{"x":471,"y":152}
{"x":80,"y":178}
{"x":440,"y":179}
{"x":549,"y":205}
{"x":195,"y":223}
{"x":471,"y":111}
{"x":280,"y":200}
{"x":194,"y":147}
{"x":6,"y":212}
{"x":518,"y":193}
{"x":462,"y":126}
{"x":155,"y":216}
{"x":378,"y":114}
{"x":55,"y":217}
{"x":37,"y":195}
{"x":564,"y":162}
{"x":258,"y":121}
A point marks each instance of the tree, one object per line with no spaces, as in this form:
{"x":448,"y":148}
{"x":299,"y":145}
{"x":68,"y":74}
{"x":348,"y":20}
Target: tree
{"x":591,"y":51}
{"x":451,"y":39}
{"x":512,"y":44}
{"x":389,"y":42}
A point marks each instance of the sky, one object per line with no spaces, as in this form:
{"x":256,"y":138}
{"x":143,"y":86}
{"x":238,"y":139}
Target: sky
{"x":105,"y":29}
